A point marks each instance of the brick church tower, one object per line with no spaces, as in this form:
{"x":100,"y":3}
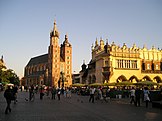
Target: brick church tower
{"x":59,"y":60}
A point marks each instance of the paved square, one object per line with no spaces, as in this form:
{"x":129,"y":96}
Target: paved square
{"x":76,"y":109}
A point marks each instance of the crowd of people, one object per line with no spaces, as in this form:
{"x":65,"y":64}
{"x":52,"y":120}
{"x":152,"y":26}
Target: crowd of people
{"x":94,"y":93}
{"x":10,"y":94}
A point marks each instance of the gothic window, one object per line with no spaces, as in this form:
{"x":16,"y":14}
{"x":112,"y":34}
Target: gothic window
{"x":28,"y":71}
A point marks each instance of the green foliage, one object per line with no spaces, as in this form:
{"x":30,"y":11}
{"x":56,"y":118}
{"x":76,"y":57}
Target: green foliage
{"x":8,"y":76}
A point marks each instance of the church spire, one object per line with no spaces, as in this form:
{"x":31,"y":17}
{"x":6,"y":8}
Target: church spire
{"x":55,"y":32}
{"x":66,"y":38}
{"x":96,"y":43}
{"x":55,"y":27}
{"x":66,"y":42}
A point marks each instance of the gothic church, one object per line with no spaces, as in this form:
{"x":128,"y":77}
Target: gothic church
{"x":53,"y":68}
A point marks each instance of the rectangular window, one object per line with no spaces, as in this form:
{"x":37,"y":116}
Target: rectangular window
{"x":129,"y":64}
{"x":157,"y":66}
{"x":148,"y":66}
{"x":134,"y":64}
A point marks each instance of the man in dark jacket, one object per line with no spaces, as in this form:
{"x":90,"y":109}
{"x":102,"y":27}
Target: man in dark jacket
{"x":138,"y":96}
{"x":8,"y":94}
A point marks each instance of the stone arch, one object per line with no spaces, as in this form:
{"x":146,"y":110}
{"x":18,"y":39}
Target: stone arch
{"x":146,"y":78}
{"x":93,"y":79}
{"x":121,"y":78}
{"x":133,"y":79}
{"x":157,"y":79}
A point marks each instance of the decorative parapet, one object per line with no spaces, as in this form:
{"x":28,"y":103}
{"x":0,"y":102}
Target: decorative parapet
{"x":124,"y":51}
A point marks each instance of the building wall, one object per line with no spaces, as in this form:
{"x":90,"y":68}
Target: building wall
{"x":114,"y":63}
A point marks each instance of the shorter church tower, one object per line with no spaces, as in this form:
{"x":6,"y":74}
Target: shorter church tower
{"x":66,"y":62}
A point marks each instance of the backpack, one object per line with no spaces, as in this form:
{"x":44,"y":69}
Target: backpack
{"x":8,"y":94}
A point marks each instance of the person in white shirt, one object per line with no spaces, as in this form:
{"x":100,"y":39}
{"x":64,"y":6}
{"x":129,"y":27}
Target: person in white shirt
{"x":146,"y":96}
{"x":132,"y":95}
{"x":92,"y":91}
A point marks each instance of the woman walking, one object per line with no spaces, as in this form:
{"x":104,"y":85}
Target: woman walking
{"x":146,"y":96}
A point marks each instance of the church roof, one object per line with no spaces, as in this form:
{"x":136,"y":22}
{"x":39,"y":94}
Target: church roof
{"x":38,"y":59}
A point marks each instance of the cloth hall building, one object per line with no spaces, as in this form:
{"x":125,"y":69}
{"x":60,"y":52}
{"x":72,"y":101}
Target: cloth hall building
{"x":111,"y":63}
{"x":53,"y":68}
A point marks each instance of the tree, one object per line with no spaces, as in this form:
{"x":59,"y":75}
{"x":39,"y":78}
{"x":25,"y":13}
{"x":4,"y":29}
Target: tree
{"x":8,"y":76}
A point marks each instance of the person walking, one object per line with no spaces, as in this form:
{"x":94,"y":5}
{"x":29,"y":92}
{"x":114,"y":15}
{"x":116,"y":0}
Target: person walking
{"x":41,"y":93}
{"x":58,"y":93}
{"x":132,"y":95}
{"x":31,"y":93}
{"x":92,"y":91}
{"x":15,"y":91}
{"x":8,"y":94}
{"x":146,"y":96}
{"x":53,"y":92}
{"x":137,"y":96}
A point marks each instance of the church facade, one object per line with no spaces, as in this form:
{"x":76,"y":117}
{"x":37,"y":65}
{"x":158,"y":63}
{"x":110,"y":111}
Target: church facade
{"x":112,"y":63}
{"x":53,"y":68}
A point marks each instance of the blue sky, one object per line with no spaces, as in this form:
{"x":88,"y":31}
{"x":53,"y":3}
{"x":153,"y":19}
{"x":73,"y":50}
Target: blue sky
{"x":25,"y":26}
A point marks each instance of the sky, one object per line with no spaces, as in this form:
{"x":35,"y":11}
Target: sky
{"x":25,"y":26}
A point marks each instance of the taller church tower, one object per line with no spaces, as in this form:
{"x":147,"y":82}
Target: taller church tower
{"x":54,"y":57}
{"x":59,"y":60}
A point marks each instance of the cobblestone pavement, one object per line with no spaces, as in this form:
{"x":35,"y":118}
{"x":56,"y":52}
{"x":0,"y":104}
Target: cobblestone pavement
{"x":76,"y":109}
